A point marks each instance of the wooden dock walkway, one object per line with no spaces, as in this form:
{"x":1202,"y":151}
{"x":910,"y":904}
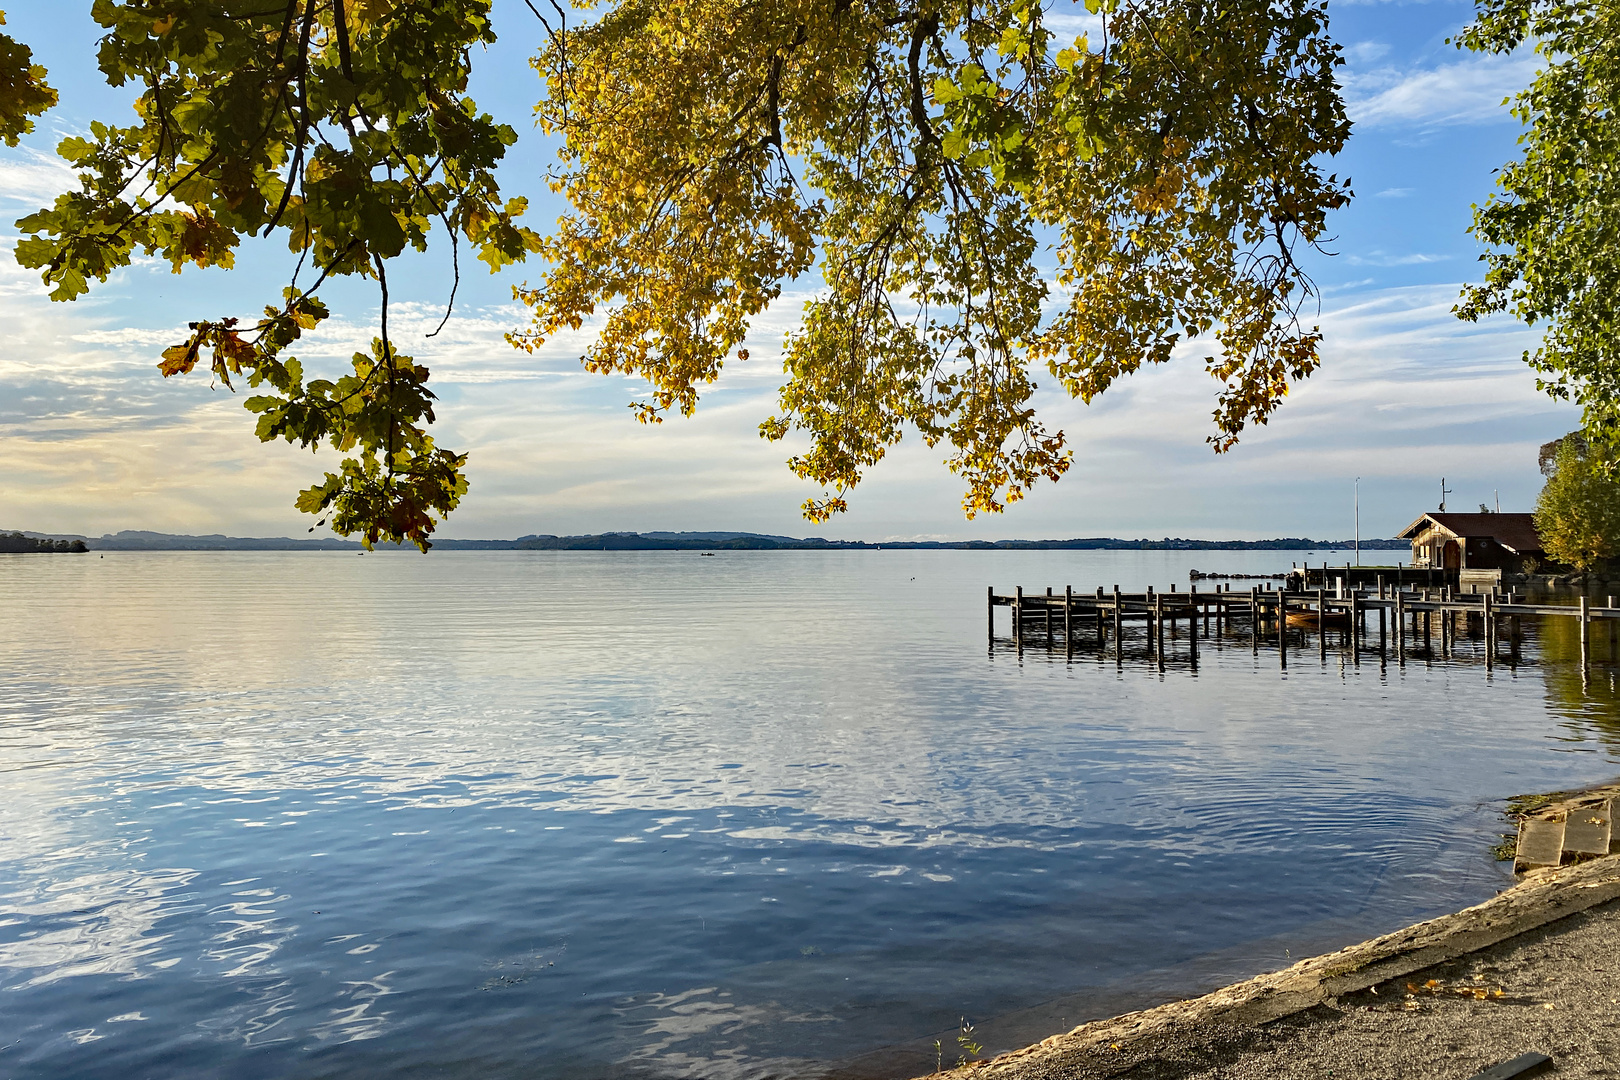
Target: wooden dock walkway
{"x":1408,"y":620}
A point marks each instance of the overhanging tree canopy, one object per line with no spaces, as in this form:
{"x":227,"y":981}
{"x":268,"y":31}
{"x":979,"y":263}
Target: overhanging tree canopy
{"x":978,"y":201}
{"x":24,"y":93}
{"x":343,"y":125}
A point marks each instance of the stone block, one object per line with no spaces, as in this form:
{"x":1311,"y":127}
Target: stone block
{"x":1541,"y":843}
{"x":1586,"y":832}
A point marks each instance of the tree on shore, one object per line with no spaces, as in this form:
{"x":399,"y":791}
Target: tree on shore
{"x":1551,"y":222}
{"x":17,"y":543}
{"x":1578,"y":511}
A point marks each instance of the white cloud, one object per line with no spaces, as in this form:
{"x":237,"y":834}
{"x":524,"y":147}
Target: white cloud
{"x":1073,"y":23}
{"x":1381,"y":258}
{"x":30,"y":179}
{"x":1395,"y":193}
{"x":1470,"y":91}
{"x":96,"y":441}
{"x":1365,"y":52}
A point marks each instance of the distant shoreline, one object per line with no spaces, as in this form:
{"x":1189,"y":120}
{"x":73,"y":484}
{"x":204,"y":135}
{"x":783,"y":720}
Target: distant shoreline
{"x":132,"y":540}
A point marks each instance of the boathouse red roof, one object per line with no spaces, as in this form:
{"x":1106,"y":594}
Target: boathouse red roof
{"x":1516,"y":532}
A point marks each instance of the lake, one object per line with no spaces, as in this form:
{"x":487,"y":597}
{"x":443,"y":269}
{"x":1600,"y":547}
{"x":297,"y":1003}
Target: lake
{"x":584,"y":815}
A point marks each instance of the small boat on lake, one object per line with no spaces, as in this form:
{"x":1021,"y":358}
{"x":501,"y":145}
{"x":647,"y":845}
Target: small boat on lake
{"x":1310,"y":619}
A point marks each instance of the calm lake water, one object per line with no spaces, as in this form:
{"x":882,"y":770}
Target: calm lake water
{"x":651,"y":814}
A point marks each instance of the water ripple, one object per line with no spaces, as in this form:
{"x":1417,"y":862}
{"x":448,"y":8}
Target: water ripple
{"x":571,"y":816}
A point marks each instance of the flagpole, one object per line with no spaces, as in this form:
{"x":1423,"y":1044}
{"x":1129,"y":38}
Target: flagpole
{"x":1358,"y":521}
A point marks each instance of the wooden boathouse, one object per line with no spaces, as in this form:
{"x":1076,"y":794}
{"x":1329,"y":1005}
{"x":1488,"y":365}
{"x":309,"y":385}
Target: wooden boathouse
{"x":1475,"y":541}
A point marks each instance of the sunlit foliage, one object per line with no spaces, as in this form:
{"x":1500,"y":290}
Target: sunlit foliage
{"x":1552,"y":222}
{"x":24,"y":93}
{"x":970,"y":199}
{"x":1578,"y":511}
{"x":344,"y":125}
{"x":979,"y":199}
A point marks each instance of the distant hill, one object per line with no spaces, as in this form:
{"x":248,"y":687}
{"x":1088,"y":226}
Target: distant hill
{"x":140,"y":540}
{"x":757,"y":542}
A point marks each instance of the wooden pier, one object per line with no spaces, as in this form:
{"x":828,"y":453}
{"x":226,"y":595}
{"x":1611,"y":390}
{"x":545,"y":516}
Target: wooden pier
{"x":1381,"y":619}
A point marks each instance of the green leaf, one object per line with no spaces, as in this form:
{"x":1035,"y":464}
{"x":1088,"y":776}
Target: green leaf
{"x":70,"y":285}
{"x":223,"y":122}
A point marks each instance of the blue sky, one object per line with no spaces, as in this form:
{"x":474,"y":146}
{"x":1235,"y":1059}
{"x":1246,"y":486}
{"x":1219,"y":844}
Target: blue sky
{"x":92,"y":440}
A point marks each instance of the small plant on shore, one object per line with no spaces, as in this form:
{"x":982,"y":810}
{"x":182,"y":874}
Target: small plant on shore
{"x":1524,"y":805}
{"x":972,"y":1051}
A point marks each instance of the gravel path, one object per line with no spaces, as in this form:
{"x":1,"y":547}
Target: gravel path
{"x":1555,"y":990}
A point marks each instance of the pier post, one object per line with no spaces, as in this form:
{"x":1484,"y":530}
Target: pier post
{"x":1380,"y":588}
{"x":990,"y":611}
{"x":1383,"y":631}
{"x":1018,"y":616}
{"x":1586,"y":617}
{"x":1150,"y":609}
{"x":1400,"y":628}
{"x":1119,"y":623}
{"x":1355,"y":628}
{"x":1282,"y":626}
{"x":1321,"y":617}
{"x":1490,"y":632}
{"x":1048,"y":616}
{"x":1254,"y":617}
{"x":1068,"y":622}
{"x":1192,"y":628}
{"x":1158,"y":623}
{"x":1102,"y":637}
{"x":1428,"y":631}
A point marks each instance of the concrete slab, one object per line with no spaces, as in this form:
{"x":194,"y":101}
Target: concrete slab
{"x":1541,"y":843}
{"x":1586,"y":832}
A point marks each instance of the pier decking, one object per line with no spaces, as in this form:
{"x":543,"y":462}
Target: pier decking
{"x":1420,"y":622}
